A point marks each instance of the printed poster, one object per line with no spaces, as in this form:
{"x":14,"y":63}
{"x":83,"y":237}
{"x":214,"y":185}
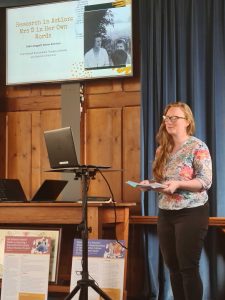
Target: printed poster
{"x":105,"y":266}
{"x":26,"y":268}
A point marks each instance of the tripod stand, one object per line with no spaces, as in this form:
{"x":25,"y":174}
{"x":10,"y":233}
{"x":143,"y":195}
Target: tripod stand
{"x":85,"y":173}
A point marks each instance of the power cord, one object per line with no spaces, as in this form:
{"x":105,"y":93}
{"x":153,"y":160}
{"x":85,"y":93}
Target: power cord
{"x":114,"y":206}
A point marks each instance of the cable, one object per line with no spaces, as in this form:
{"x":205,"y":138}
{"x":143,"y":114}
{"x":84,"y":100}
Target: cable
{"x":114,"y":206}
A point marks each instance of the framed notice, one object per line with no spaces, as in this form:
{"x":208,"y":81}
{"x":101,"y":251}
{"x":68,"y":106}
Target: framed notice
{"x":53,"y":233}
{"x":26,"y":268}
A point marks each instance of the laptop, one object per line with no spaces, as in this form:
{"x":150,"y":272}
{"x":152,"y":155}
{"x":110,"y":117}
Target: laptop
{"x":11,"y":191}
{"x":61,"y":151}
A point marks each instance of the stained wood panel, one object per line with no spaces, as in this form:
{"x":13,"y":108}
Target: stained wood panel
{"x":2,"y":51}
{"x":19,"y":148}
{"x":27,"y":155}
{"x":114,"y":99}
{"x":35,"y":151}
{"x":115,"y":85}
{"x":113,"y":93}
{"x":103,"y":147}
{"x":2,"y":144}
{"x":31,"y":103}
{"x":131,"y":154}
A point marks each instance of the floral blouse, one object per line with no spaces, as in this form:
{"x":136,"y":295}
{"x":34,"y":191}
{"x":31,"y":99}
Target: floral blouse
{"x":191,"y":161}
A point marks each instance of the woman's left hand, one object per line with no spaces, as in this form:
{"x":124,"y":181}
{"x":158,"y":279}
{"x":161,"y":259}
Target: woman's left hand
{"x":172,"y":186}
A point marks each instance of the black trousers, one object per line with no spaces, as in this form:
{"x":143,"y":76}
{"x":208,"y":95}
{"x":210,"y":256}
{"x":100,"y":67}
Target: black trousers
{"x":181,"y":237}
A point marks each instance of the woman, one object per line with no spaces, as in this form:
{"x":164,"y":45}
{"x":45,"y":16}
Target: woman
{"x":183,"y":164}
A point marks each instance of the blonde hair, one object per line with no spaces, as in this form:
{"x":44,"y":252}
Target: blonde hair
{"x":165,"y":141}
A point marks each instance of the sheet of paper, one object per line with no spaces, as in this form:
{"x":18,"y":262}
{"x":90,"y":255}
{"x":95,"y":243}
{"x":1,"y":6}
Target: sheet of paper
{"x":151,"y":185}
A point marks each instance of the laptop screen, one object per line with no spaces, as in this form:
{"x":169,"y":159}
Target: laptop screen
{"x":49,"y":190}
{"x":60,"y":147}
{"x":11,"y":191}
{"x":61,"y":150}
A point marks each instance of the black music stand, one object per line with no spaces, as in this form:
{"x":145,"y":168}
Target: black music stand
{"x":85,"y":173}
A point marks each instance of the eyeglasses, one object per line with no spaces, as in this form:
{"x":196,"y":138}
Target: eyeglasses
{"x":172,"y":119}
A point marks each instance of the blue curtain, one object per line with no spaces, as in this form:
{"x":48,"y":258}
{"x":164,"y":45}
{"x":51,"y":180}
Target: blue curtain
{"x":183,"y":59}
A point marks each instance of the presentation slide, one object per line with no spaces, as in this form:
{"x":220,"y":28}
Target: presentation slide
{"x":72,"y":40}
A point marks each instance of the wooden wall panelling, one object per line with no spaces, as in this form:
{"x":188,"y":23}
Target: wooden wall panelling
{"x":33,"y":98}
{"x":2,"y":145}
{"x":30,"y":103}
{"x":132,"y":85}
{"x":114,"y":99}
{"x":27,"y":155}
{"x":35,"y":152}
{"x":131,"y":154}
{"x":19,"y":148}
{"x":98,"y":87}
{"x":112,"y":93}
{"x":2,"y":53}
{"x":108,"y":86}
{"x":103,"y":147}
